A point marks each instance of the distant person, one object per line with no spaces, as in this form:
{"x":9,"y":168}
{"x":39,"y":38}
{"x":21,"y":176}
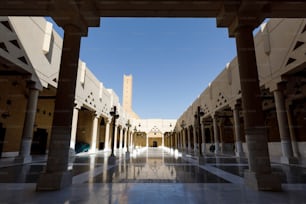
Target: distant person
{"x":212,"y":148}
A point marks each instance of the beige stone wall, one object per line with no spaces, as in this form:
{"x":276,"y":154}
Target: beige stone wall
{"x":139,"y":140}
{"x":43,"y":49}
{"x":101,"y":135}
{"x":299,"y":119}
{"x":302,"y":147}
{"x":44,"y":115}
{"x":274,"y":45}
{"x":13,"y":90}
{"x":158,"y":140}
{"x":275,"y":149}
{"x":84,"y":129}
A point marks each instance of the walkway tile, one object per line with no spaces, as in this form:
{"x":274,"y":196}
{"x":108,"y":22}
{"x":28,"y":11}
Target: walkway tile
{"x":151,"y":176}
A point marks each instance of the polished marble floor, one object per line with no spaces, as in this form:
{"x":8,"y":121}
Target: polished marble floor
{"x":154,"y":175}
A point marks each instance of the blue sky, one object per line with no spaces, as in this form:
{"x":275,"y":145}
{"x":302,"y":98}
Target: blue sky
{"x":172,"y":60}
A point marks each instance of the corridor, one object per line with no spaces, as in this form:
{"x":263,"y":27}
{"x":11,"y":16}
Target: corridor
{"x":154,"y":175}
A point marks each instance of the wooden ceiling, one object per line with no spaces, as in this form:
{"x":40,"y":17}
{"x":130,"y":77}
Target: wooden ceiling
{"x":87,"y":13}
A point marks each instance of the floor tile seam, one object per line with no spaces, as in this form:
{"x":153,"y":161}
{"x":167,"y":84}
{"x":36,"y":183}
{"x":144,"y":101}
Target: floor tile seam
{"x":189,"y":160}
{"x":85,"y":176}
{"x":287,"y":186}
{"x":181,"y":164}
{"x":12,"y":164}
{"x":288,"y":165}
{"x":166,"y":182}
{"x":16,"y":186}
{"x":213,"y":157}
{"x":39,"y":164}
{"x":226,"y":164}
{"x":87,"y":164}
{"x":213,"y":163}
{"x":165,"y":164}
{"x":223,"y":174}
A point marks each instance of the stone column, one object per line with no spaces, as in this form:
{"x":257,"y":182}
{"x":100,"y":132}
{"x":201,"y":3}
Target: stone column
{"x":216,"y":134}
{"x":292,"y":132}
{"x":56,"y":175}
{"x":167,"y":140}
{"x":106,"y":145}
{"x":172,"y":140}
{"x":239,"y":149}
{"x":189,"y":139}
{"x":259,"y":175}
{"x":176,"y":145}
{"x":120,"y":138}
{"x":28,"y":126}
{"x":220,"y":128}
{"x":163,"y":140}
{"x":212,"y":139}
{"x":203,"y":139}
{"x":132,"y":140}
{"x":74,"y":127}
{"x":176,"y":139}
{"x":180,"y":141}
{"x":115,"y":139}
{"x":93,"y":145}
{"x":125,"y":140}
{"x":184,"y":140}
{"x":194,"y":132}
{"x":282,"y":120}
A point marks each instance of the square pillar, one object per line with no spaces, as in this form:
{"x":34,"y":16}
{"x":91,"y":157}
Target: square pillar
{"x":203,"y":139}
{"x":216,"y":135}
{"x":93,"y":145}
{"x":184,"y":140}
{"x":287,"y":157}
{"x":56,"y":175}
{"x":259,"y":175}
{"x":115,"y":138}
{"x":238,"y":144}
{"x":74,"y":127}
{"x":189,"y":140}
{"x":194,"y":133}
{"x":120,"y":138}
{"x":106,"y":144}
{"x":125,"y":140}
{"x":28,"y":126}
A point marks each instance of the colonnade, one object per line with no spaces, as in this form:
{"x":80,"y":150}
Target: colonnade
{"x":66,"y":113}
{"x":75,"y":25}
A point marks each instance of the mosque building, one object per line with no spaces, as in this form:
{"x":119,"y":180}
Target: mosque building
{"x":245,"y":133}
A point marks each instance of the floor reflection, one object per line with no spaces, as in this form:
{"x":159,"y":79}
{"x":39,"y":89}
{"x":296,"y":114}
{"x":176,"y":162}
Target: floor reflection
{"x":157,"y":166}
{"x":288,"y":174}
{"x":152,"y":165}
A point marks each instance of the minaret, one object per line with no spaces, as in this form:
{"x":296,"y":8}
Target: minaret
{"x":127,"y":92}
{"x":128,"y":95}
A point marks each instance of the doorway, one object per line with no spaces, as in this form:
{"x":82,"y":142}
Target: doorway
{"x":154,"y":143}
{"x":2,"y":136}
{"x":39,"y":142}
